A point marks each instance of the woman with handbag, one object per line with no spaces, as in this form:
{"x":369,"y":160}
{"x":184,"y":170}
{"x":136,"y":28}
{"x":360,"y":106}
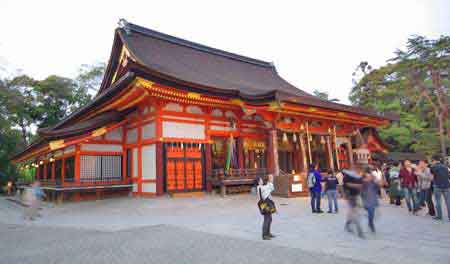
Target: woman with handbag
{"x":266,"y":205}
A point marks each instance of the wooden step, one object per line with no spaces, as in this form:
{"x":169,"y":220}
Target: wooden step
{"x":187,"y":194}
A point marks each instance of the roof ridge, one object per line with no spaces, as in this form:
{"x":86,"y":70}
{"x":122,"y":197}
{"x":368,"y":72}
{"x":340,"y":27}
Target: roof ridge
{"x":127,"y":27}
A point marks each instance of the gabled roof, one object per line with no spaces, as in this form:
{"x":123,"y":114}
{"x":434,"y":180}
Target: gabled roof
{"x":202,"y":66}
{"x":205,"y":69}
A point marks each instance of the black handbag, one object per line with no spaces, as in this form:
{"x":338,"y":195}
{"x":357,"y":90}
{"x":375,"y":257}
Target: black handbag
{"x":266,"y":206}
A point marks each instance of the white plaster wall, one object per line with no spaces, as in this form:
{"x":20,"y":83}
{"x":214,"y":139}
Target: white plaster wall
{"x":221,"y":128}
{"x":115,"y":134}
{"x":183,"y":130}
{"x":132,"y":136}
{"x":149,"y":131}
{"x":148,"y":187}
{"x":102,"y":147}
{"x":149,"y":162}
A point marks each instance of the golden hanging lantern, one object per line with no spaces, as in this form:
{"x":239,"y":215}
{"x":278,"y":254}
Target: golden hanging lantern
{"x":322,"y":140}
{"x":285,"y":139}
{"x":294,"y":137}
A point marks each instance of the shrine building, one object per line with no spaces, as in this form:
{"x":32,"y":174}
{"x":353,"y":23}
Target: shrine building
{"x":173,"y":116}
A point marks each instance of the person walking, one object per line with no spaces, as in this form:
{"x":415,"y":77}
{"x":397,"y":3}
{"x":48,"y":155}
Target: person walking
{"x":408,"y":180}
{"x":369,"y":195}
{"x":331,"y":183}
{"x":315,"y":188}
{"x":441,"y":185}
{"x":395,"y":190}
{"x":340,"y":187}
{"x":379,"y":179}
{"x":34,"y":196}
{"x":265,"y":194}
{"x":352,"y":187}
{"x":424,"y":179}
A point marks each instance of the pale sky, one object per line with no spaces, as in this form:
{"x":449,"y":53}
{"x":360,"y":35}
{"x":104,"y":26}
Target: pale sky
{"x":314,"y":44}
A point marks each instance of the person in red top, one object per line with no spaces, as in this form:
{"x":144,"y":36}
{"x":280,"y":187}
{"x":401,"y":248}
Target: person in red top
{"x":408,"y":180}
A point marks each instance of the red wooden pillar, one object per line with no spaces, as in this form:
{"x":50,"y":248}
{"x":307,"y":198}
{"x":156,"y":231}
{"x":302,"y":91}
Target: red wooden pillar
{"x":240,"y":150}
{"x":77,"y":196}
{"x":77,"y":164}
{"x":126,"y":178}
{"x":208,"y":166}
{"x":273,"y":152}
{"x":159,"y":169}
{"x":53,"y":164}
{"x":139,"y":151}
{"x":63,"y":170}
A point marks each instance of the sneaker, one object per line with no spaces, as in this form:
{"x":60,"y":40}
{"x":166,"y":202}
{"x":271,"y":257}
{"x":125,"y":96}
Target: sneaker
{"x":266,"y":238}
{"x":271,"y":236}
{"x":329,"y":212}
{"x":437,"y":218}
{"x":320,"y":212}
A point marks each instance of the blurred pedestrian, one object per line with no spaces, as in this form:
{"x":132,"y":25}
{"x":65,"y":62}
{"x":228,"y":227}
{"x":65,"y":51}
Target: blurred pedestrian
{"x":441,"y":185}
{"x":266,"y":205}
{"x":331,"y":183}
{"x":408,"y":180}
{"x":395,"y":190}
{"x":352,"y":188}
{"x":424,"y":179}
{"x":379,"y":179}
{"x":34,"y":197}
{"x":315,"y":188}
{"x":369,"y":195}
{"x":340,"y":187}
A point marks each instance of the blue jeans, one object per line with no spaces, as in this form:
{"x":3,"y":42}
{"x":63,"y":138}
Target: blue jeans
{"x":427,"y":196}
{"x":332,"y":199}
{"x":410,"y":198}
{"x":315,"y":201}
{"x":371,"y":216}
{"x":438,"y":192}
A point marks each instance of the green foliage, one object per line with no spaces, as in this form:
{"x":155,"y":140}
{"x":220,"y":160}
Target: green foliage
{"x":27,"y":104}
{"x":415,"y":85}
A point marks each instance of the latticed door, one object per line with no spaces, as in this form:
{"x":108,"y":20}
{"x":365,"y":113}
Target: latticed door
{"x":184,"y":168}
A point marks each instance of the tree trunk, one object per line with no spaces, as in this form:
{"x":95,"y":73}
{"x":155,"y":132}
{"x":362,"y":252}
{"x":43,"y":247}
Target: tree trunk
{"x":24,"y":133}
{"x":442,"y":134}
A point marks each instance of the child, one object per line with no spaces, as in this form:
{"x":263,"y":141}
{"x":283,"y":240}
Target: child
{"x":369,"y":196}
{"x":331,"y":183}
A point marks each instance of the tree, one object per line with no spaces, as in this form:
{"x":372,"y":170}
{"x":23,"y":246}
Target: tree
{"x":414,"y":84}
{"x":324,"y":96}
{"x":18,"y":103}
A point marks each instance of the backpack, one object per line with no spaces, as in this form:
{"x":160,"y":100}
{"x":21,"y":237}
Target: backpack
{"x":311,"y":180}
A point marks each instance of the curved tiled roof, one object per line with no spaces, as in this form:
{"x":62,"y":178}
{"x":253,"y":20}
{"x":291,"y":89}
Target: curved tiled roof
{"x":198,"y":64}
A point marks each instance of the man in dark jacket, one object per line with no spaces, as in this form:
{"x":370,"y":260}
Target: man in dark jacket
{"x":441,"y":185}
{"x":316,"y":190}
{"x":408,"y":180}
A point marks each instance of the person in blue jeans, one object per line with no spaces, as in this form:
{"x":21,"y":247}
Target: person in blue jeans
{"x":331,"y":183}
{"x":316,"y":189}
{"x":369,"y":195}
{"x":441,"y":186}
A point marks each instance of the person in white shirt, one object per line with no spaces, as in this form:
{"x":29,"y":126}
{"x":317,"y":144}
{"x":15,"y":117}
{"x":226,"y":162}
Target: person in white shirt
{"x":264,"y":191}
{"x":379,"y":179}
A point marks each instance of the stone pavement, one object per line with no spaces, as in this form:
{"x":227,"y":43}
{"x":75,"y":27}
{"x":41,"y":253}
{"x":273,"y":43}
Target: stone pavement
{"x":235,"y":221}
{"x":155,"y":244}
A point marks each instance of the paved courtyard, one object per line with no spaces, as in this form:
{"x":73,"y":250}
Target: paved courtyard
{"x":212,"y":229}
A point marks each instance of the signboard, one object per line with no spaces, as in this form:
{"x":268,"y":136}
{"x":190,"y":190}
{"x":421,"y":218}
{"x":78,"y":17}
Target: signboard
{"x":298,"y":187}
